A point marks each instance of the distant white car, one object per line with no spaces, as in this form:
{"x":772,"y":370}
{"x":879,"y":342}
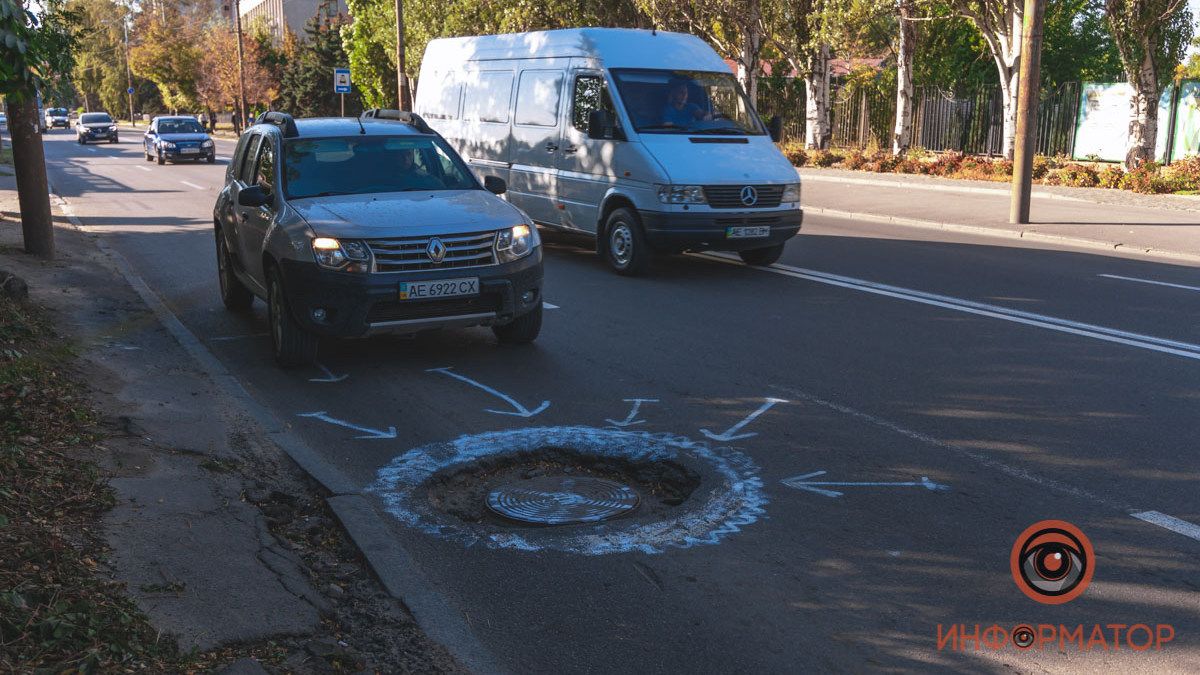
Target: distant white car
{"x":3,"y":122}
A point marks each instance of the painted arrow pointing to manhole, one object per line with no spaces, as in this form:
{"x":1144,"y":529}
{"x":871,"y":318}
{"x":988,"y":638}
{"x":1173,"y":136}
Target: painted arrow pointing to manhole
{"x":732,"y":433}
{"x":518,"y":409}
{"x":368,"y":432}
{"x":632,"y":416}
{"x":329,"y":376}
{"x":801,"y":483}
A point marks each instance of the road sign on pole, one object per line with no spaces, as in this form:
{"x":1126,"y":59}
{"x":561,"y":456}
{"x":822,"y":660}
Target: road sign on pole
{"x":341,"y":80}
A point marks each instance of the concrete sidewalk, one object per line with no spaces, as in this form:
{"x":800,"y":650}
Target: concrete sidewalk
{"x":1163,"y":226}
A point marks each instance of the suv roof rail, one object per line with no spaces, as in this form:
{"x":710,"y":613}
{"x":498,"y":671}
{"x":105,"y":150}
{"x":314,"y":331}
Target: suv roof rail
{"x":402,"y":116}
{"x":282,"y":120}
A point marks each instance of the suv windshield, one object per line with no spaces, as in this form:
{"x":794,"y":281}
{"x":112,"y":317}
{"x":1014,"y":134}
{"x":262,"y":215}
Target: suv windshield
{"x":181,"y":126}
{"x":364,"y":164}
{"x":94,"y":118}
{"x":685,"y":101}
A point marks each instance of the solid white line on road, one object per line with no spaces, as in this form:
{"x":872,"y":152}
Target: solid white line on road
{"x":1150,"y":281}
{"x":141,"y":167}
{"x":192,"y":185}
{"x":1169,"y":522}
{"x":1176,"y":348}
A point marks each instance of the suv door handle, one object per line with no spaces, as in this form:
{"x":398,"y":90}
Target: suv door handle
{"x":570,"y":149}
{"x":551,"y":146}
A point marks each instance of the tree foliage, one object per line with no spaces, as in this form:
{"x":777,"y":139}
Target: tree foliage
{"x":307,"y":86}
{"x":37,"y":47}
{"x":168,"y":54}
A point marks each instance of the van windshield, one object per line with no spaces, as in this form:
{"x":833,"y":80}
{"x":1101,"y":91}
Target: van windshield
{"x":354,"y":165}
{"x":686,"y":101}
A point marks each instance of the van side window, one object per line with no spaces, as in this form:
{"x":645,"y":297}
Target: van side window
{"x":246,"y":169}
{"x":537,"y":98}
{"x":444,"y":105}
{"x":488,"y":94}
{"x":590,"y":94}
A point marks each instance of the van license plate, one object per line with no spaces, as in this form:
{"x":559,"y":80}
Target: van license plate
{"x":747,"y":232}
{"x":441,"y":288}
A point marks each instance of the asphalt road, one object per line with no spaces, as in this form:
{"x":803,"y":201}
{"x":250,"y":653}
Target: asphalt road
{"x":1020,"y":378}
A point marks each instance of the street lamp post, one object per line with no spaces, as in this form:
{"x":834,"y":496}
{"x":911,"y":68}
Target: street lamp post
{"x":128,"y":72}
{"x":237,"y":14}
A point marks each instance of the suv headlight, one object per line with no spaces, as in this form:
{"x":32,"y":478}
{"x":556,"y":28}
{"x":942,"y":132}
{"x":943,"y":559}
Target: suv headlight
{"x":168,"y":144}
{"x":681,"y":194}
{"x":206,"y":144}
{"x":349,"y":256}
{"x":791,"y":193}
{"x":516,"y":242}
{"x":113,"y":128}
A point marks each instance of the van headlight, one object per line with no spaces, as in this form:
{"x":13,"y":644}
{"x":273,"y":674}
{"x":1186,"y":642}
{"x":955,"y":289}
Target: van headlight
{"x":681,"y":194}
{"x":791,"y":193}
{"x":516,"y":242}
{"x":349,"y":256}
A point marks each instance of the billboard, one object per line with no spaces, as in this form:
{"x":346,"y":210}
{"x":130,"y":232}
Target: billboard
{"x":1102,"y":128}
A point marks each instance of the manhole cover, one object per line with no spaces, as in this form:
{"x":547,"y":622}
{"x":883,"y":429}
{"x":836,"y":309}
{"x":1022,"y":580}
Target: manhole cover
{"x":559,"y":500}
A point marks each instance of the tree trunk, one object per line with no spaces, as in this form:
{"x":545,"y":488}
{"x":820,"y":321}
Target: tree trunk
{"x":1008,"y":96}
{"x":902,"y":134}
{"x":816,"y":90}
{"x":752,"y":40}
{"x":1143,"y":112}
{"x":29,"y":163}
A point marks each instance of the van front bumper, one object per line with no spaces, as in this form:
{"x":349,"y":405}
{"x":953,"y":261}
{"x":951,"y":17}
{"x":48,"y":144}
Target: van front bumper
{"x":356,"y":305}
{"x":675,"y":232}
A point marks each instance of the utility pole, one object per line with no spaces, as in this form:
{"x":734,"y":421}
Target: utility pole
{"x":128,"y":72}
{"x":401,"y":78}
{"x":241,"y":106}
{"x":1028,"y":84}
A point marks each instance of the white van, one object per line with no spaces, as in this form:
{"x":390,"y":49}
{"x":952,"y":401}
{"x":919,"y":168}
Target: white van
{"x":640,"y":138}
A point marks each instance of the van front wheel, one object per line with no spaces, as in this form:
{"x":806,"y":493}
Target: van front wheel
{"x":625,"y":246}
{"x":761,"y":257}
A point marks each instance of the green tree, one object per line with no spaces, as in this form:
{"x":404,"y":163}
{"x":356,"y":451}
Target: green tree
{"x":99,"y":72}
{"x":306,"y":87}
{"x":1151,"y":37}
{"x":168,"y":54}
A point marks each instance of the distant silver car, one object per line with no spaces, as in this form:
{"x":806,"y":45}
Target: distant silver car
{"x":352,"y":227}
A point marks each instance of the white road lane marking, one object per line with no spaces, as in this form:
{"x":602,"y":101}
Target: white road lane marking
{"x":1174,"y":347}
{"x":192,"y":185}
{"x":1150,"y":281}
{"x":141,"y":167}
{"x":1169,"y":522}
{"x":90,"y":149}
{"x":549,"y":306}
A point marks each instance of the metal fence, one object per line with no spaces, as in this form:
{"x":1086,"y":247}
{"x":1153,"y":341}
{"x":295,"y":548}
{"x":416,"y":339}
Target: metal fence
{"x":972,"y":123}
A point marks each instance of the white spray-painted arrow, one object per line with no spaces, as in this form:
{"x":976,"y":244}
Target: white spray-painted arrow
{"x":629,"y":419}
{"x":519,"y":410}
{"x":732,"y":433}
{"x":802,"y":483}
{"x":329,"y":376}
{"x":373,"y":434}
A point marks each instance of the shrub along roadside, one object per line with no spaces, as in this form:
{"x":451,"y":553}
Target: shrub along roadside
{"x":1181,"y":177}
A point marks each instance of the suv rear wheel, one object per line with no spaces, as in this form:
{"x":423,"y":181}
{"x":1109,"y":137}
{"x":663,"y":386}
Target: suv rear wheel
{"x":292,"y":345}
{"x":237,"y":297}
{"x":523,"y":330}
{"x":624,"y":245}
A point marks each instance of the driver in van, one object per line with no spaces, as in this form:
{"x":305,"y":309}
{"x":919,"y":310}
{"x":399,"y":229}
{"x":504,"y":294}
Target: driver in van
{"x":678,"y":112}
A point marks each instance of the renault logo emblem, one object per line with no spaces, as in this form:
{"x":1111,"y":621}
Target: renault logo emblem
{"x":436,"y":250}
{"x":749,"y":195}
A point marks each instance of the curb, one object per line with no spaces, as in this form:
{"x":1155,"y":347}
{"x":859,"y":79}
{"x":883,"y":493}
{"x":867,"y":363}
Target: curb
{"x":938,"y":187}
{"x":391,"y":563}
{"x":1026,"y":235}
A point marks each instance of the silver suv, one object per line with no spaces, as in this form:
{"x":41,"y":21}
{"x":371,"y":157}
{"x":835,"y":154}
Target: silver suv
{"x":349,"y":227}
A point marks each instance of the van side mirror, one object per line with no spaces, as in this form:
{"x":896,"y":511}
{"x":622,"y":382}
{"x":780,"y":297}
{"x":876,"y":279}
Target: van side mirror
{"x":600,"y":125}
{"x":253,"y":196}
{"x":775,"y":128}
{"x":495,"y":185}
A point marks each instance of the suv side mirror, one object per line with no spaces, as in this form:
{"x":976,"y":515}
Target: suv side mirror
{"x":600,"y":125}
{"x":253,"y":196}
{"x":775,"y":128}
{"x":495,"y":185}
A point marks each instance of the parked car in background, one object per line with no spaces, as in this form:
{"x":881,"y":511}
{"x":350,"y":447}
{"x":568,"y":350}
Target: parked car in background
{"x":177,"y":138}
{"x":95,"y":126}
{"x":57,"y":117}
{"x":642,"y":139}
{"x":4,"y":122}
{"x":348,"y":228}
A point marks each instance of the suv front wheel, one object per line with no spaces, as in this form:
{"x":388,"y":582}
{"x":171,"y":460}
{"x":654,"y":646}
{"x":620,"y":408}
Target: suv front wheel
{"x":292,"y":345}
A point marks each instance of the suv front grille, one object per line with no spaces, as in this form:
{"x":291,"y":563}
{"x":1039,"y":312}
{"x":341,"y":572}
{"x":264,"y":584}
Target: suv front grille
{"x":404,"y":310}
{"x":411,"y":253}
{"x":730,"y":196}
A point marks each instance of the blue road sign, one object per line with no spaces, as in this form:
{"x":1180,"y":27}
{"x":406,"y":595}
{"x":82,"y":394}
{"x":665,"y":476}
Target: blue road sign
{"x":129,"y":90}
{"x":341,"y":80}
